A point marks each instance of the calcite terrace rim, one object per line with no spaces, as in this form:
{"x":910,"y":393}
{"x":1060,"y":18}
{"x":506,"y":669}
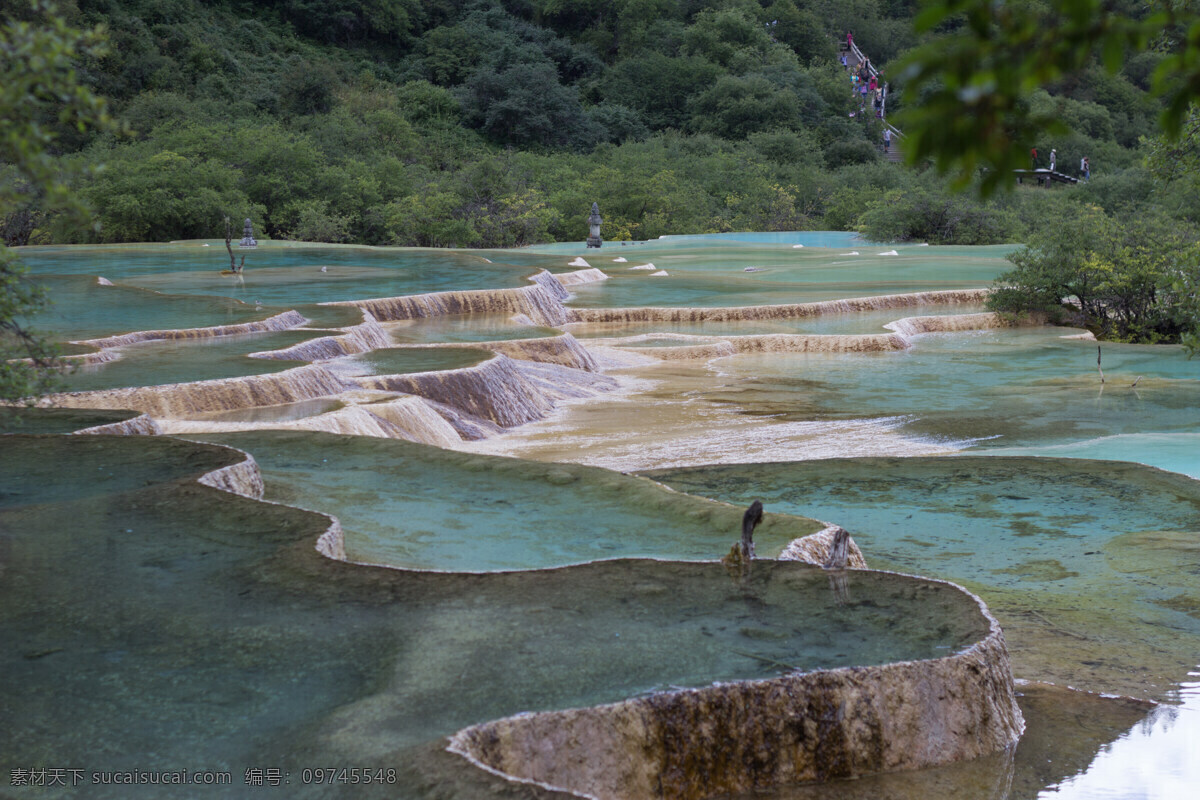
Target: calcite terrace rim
{"x":898,"y":335}
{"x":882,"y":302}
{"x":459,"y":742}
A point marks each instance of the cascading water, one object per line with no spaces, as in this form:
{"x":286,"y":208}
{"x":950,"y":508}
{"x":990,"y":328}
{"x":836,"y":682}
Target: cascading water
{"x":783,"y":311}
{"x":502,"y":391}
{"x":367,"y":335}
{"x":182,"y":399}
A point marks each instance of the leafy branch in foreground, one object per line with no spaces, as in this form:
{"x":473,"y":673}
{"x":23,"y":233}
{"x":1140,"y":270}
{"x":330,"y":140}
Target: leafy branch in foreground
{"x":40,"y":95}
{"x":973,"y":84}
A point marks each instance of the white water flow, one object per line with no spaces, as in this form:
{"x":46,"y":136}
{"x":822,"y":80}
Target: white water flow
{"x":674,"y":414}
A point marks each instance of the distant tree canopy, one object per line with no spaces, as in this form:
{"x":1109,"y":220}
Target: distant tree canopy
{"x":498,"y":122}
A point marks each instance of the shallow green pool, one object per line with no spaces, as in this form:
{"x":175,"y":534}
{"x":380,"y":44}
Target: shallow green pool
{"x":179,"y":361}
{"x":280,"y":274}
{"x":1103,"y":557}
{"x":415,"y":506}
{"x":1001,"y":388}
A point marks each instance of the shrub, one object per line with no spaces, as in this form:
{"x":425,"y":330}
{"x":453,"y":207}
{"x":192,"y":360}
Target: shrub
{"x":1129,"y":280}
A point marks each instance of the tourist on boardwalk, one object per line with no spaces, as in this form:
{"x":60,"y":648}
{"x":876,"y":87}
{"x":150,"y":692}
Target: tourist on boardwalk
{"x":845,"y":65}
{"x":1086,"y":167}
{"x":1053,"y":156}
{"x":887,"y":139}
{"x":849,"y":40}
{"x":1033,"y":158}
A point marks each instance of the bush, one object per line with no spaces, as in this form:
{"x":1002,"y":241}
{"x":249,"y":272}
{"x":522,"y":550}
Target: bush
{"x":166,"y":196}
{"x":658,"y":86}
{"x":855,"y":151}
{"x":314,"y":223}
{"x":735,"y":107}
{"x":1130,"y":281}
{"x":936,"y":217}
{"x":619,"y":123}
{"x":786,"y":147}
{"x":525,"y":105}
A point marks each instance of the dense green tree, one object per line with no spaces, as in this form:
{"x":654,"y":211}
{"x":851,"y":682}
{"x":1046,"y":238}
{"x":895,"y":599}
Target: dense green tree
{"x":801,"y":30}
{"x":1131,"y":280}
{"x":736,"y":107}
{"x":936,"y":216}
{"x":307,"y":86}
{"x":525,"y":105}
{"x":619,"y":123}
{"x":498,"y":114}
{"x":659,"y":86}
{"x":315,"y":222}
{"x":165,"y":196}
{"x":729,"y":37}
{"x":350,"y":20}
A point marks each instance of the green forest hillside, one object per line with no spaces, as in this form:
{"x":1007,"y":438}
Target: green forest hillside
{"x":498,"y":122}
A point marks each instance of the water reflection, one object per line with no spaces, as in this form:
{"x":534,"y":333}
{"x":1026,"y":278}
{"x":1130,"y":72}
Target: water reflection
{"x":1158,"y":759}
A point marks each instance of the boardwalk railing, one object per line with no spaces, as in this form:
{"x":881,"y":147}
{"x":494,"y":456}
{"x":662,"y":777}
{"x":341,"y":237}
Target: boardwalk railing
{"x":862,"y":59}
{"x":1044,"y":176}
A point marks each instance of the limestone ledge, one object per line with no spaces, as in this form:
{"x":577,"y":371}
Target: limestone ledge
{"x":782,"y":311}
{"x":244,"y":477}
{"x":719,"y":346}
{"x":443,"y":407}
{"x":89,"y":359}
{"x":224,"y":394}
{"x":332,"y":543}
{"x":361,"y":338}
{"x":280,"y":322}
{"x":707,"y":347}
{"x":541,"y":302}
{"x":564,"y":350}
{"x":501,"y":391}
{"x":580,"y":276}
{"x":405,"y":417}
{"x":913,"y":326}
{"x":754,"y":735}
{"x":141,"y":425}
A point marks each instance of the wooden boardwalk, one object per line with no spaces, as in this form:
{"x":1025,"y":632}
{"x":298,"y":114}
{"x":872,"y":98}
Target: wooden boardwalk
{"x":854,"y":60}
{"x":1043,"y":176}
